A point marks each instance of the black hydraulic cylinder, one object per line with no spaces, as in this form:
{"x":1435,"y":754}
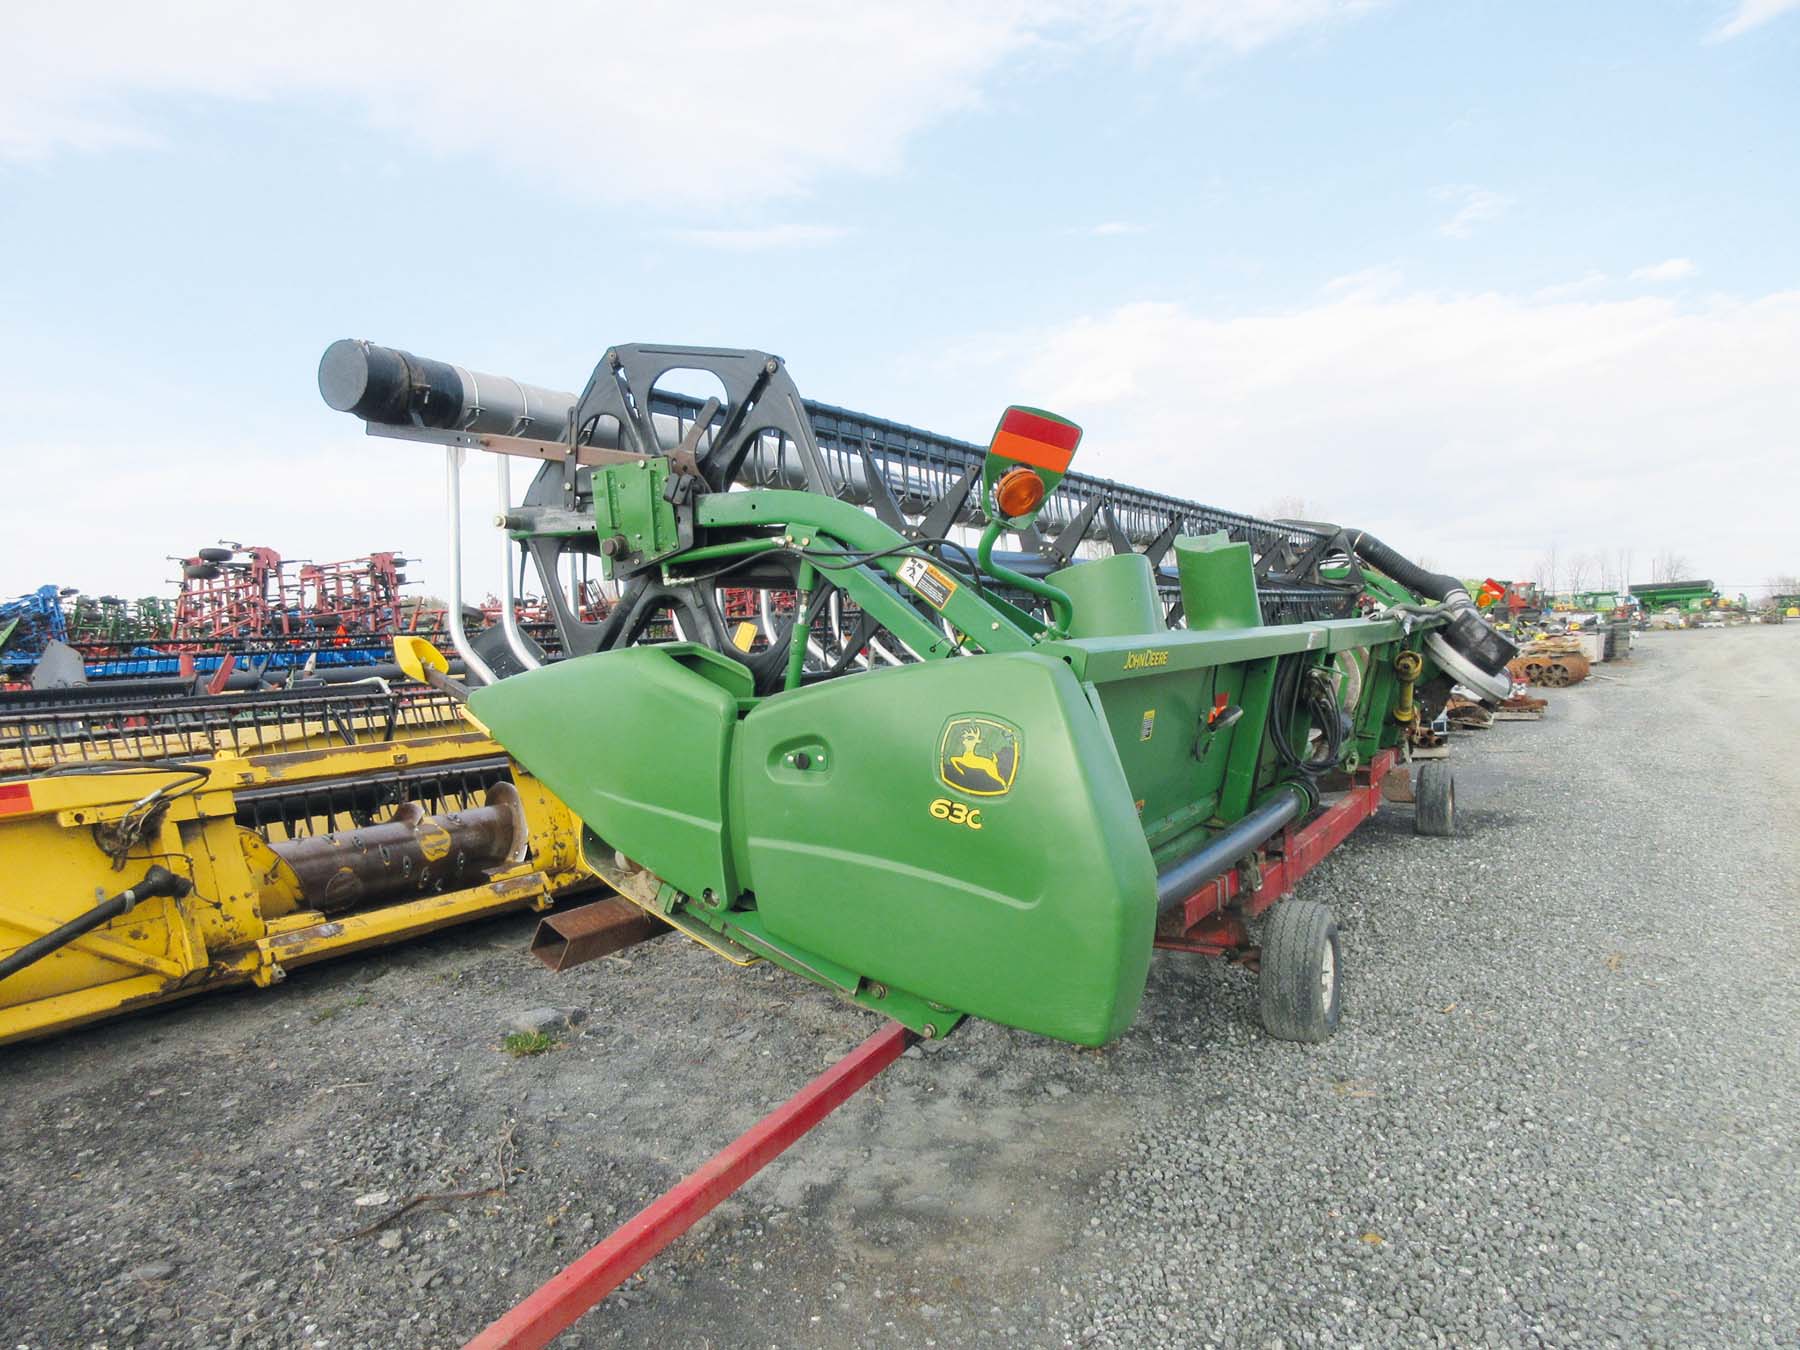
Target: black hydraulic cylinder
{"x":157,"y":881}
{"x":1225,"y":849}
{"x":390,"y":387}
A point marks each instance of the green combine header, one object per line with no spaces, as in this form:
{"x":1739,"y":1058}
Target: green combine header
{"x":862,"y":710}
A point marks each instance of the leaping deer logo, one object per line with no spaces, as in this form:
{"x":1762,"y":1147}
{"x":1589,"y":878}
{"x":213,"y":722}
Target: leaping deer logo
{"x":979,"y":756}
{"x":971,"y":763}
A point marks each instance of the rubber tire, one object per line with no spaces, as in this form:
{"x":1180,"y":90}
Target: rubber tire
{"x":214,"y":555}
{"x":1295,"y":939}
{"x":202,"y":571}
{"x":1435,"y":813}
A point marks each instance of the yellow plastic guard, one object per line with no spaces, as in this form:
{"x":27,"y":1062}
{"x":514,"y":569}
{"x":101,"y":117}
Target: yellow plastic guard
{"x":414,"y":655}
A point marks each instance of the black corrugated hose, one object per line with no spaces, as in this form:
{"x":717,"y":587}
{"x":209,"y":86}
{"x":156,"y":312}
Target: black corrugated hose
{"x":1408,"y":573}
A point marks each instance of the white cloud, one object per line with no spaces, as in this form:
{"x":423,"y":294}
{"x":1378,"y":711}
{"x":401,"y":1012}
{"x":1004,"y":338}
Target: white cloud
{"x":1669,"y":269}
{"x":679,"y":105}
{"x":1592,"y":280}
{"x":1236,"y":25}
{"x":1107,"y":229}
{"x":1750,"y":14}
{"x":1466,"y":427}
{"x":1474,"y":206}
{"x":757,"y":238}
{"x":1370,"y":281}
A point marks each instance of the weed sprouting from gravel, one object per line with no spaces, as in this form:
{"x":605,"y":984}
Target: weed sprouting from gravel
{"x":326,"y":1014}
{"x":522,"y":1044}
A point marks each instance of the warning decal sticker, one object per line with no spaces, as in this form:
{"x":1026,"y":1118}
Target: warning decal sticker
{"x":932,"y":584}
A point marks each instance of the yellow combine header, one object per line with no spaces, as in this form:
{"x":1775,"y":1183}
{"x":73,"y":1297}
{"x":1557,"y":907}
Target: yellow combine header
{"x":289,"y":829}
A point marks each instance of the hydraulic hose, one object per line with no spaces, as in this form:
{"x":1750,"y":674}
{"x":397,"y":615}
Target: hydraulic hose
{"x":157,"y":881}
{"x":1230,"y":846}
{"x":1296,"y":683}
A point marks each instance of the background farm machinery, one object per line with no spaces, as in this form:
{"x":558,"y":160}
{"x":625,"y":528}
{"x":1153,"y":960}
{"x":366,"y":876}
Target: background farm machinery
{"x":230,"y":591}
{"x":870,"y":707}
{"x":159,"y":843}
{"x":248,"y":784}
{"x":248,"y":611}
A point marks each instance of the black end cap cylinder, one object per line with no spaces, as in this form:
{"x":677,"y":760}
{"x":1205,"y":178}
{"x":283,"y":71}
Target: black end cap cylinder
{"x":388,"y":386}
{"x":1476,"y":638}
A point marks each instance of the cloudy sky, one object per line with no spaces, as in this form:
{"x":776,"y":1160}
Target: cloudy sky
{"x":1486,"y":278}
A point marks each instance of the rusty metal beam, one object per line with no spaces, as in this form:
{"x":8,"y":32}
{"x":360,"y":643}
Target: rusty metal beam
{"x":576,"y":936}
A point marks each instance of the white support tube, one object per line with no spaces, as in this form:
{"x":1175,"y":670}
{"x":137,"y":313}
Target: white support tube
{"x":837,"y":626}
{"x":453,"y":620}
{"x":509,"y":621}
{"x":766,"y":616}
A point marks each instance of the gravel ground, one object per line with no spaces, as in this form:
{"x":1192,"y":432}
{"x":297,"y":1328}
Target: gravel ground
{"x":1560,"y":1110}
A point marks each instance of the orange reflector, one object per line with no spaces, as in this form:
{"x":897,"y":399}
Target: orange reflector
{"x":14,"y":798}
{"x":1019,"y":492}
{"x":1041,"y":440}
{"x":1027,"y":450}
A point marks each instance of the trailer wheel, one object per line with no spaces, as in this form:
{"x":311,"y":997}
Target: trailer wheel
{"x":1436,"y":793}
{"x":1301,"y":985}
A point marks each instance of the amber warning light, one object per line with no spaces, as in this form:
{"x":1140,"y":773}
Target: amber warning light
{"x":1019,"y":492}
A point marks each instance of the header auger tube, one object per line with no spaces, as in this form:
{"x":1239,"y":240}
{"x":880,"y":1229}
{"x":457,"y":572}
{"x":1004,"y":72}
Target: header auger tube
{"x":824,"y":724}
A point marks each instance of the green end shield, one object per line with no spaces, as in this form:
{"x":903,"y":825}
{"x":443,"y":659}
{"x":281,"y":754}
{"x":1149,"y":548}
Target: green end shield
{"x":954,"y":835}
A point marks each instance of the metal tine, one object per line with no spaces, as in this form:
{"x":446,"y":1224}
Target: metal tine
{"x":509,"y":620}
{"x":1159,"y":546}
{"x":942,"y":515}
{"x":478,"y":669}
{"x":1063,"y":550}
{"x":1115,"y":534}
{"x":887,"y":510}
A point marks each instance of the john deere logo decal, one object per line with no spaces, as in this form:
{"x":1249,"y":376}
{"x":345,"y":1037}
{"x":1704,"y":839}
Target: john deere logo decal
{"x":979,"y":755}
